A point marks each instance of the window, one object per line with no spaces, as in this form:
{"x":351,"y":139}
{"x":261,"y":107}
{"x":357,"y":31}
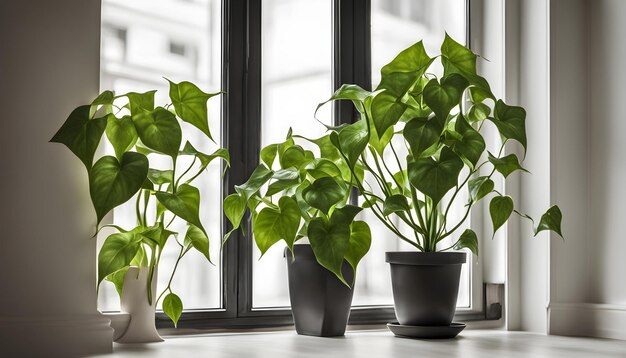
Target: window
{"x":276,"y":59}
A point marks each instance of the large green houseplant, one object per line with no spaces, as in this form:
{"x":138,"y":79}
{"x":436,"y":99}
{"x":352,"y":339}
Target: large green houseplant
{"x":438,"y":122}
{"x":137,"y":130}
{"x":296,"y":193}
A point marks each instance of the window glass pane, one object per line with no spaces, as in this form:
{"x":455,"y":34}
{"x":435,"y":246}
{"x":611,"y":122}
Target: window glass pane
{"x":143,"y":41}
{"x":397,"y":24}
{"x":296,"y":76}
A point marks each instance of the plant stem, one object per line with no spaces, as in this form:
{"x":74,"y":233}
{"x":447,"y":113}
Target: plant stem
{"x":137,"y":210}
{"x":169,"y":283}
{"x":186,"y":171}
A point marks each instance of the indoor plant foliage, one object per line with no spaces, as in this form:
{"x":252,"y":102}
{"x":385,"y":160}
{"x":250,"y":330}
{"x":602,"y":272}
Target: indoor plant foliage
{"x":137,"y":130}
{"x":438,"y":121}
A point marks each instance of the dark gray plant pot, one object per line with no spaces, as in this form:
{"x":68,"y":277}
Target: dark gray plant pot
{"x":319,"y":301}
{"x":425,"y":286}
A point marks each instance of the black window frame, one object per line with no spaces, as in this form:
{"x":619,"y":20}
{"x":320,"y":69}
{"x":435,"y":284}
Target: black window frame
{"x":241,"y":133}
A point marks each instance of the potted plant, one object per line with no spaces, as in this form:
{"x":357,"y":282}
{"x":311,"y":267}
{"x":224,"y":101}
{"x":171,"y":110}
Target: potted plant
{"x":437,"y":123}
{"x":295,"y":194}
{"x":137,"y":130}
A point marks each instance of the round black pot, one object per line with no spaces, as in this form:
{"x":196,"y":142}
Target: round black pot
{"x":320,"y":303}
{"x":425,"y":286}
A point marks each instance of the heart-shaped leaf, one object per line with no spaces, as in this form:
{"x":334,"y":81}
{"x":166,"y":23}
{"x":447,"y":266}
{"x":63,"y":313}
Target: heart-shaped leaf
{"x":348,"y":92}
{"x":113,"y":182}
{"x":330,"y":242}
{"x":206,"y":159}
{"x":198,"y":239}
{"x":81,"y":134}
{"x":386,"y":111}
{"x":139,"y":102}
{"x":422,"y":134}
{"x":395,"y":203}
{"x":104,"y":99}
{"x":506,"y":165}
{"x":117,"y":252}
{"x":479,"y":187}
{"x":442,"y":98}
{"x":471,"y":144}
{"x":173,"y":307}
{"x":436,"y":177}
{"x":257,"y":179}
{"x":160,"y":177}
{"x":121,"y":133}
{"x":323,"y":193}
{"x":272,"y":225}
{"x":353,"y":139}
{"x":500,"y":208}
{"x":457,"y":58}
{"x":551,"y":220}
{"x":185,"y":203}
{"x":296,"y":157}
{"x":511,"y":122}
{"x":159,"y":130}
{"x":468,"y":240}
{"x":190,"y":104}
{"x":478,"y":112}
{"x":117,"y":278}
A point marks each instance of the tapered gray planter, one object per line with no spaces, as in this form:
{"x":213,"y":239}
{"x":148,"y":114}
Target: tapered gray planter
{"x":425,"y":286}
{"x":319,"y":301}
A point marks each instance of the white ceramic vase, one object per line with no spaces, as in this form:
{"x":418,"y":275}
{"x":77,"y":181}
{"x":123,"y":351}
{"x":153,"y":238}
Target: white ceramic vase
{"x":134,"y":301}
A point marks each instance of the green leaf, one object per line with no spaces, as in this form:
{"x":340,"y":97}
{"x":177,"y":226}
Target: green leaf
{"x":422,"y":134}
{"x":379,"y":143}
{"x":436,"y":177}
{"x":323,"y":193}
{"x":330,"y":240}
{"x":353,"y":139}
{"x":173,"y":307}
{"x":478,"y":112}
{"x":121,"y":133}
{"x":269,"y":152}
{"x":359,"y":245}
{"x":456,"y":58}
{"x":158,"y":234}
{"x":138,"y":102}
{"x":511,"y":122}
{"x":551,"y":220}
{"x":199,"y":240}
{"x":442,"y":98}
{"x":117,"y":252}
{"x":159,"y":130}
{"x":190,"y":104}
{"x":323,"y":167}
{"x":104,"y":99}
{"x":140,"y":259}
{"x":184,"y":204}
{"x":280,"y":185}
{"x":160,"y":177}
{"x":272,"y":225}
{"x":395,"y":203}
{"x":348,"y":92}
{"x":81,"y":134}
{"x":472,"y":145}
{"x":112,"y":182}
{"x":479,"y":187}
{"x":500,"y":208}
{"x":257,"y":179}
{"x":468,"y":240}
{"x":296,"y":157}
{"x":386,"y":111}
{"x":234,"y":209}
{"x":117,"y":278}
{"x":206,"y":159}
{"x":506,"y":165}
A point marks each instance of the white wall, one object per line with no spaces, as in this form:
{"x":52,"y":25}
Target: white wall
{"x":49,"y":64}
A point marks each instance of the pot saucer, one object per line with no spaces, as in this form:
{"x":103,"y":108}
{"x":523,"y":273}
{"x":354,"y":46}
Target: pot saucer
{"x":426,"y":332}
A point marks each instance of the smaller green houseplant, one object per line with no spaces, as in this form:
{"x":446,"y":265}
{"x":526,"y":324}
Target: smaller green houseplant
{"x":137,"y":130}
{"x":295,"y":193}
{"x":437,"y":121}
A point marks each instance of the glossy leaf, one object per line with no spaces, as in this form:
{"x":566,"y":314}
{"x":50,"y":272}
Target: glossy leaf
{"x":551,"y":220}
{"x":322,"y":167}
{"x":272,"y":225}
{"x":121,"y":133}
{"x":117,"y":252}
{"x":173,"y":307}
{"x":190,"y":104}
{"x":478,"y":112}
{"x":199,"y":240}
{"x":471,"y":145}
{"x":359,"y":245}
{"x":234,"y":209}
{"x":436,"y":177}
{"x":457,"y":58}
{"x":113,"y":182}
{"x":479,"y":187}
{"x":140,"y":102}
{"x":206,"y":159}
{"x":81,"y":134}
{"x":468,"y":239}
{"x":280,"y":185}
{"x":257,"y":179}
{"x":117,"y":278}
{"x":160,"y":177}
{"x":353,"y":139}
{"x":395,"y":203}
{"x":348,"y":92}
{"x":511,"y":122}
{"x":184,"y":204}
{"x":500,"y":209}
{"x":295,"y":156}
{"x":506,"y":165}
{"x":441,"y":98}
{"x":323,"y":193}
{"x":159,"y":130}
{"x":422,"y":134}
